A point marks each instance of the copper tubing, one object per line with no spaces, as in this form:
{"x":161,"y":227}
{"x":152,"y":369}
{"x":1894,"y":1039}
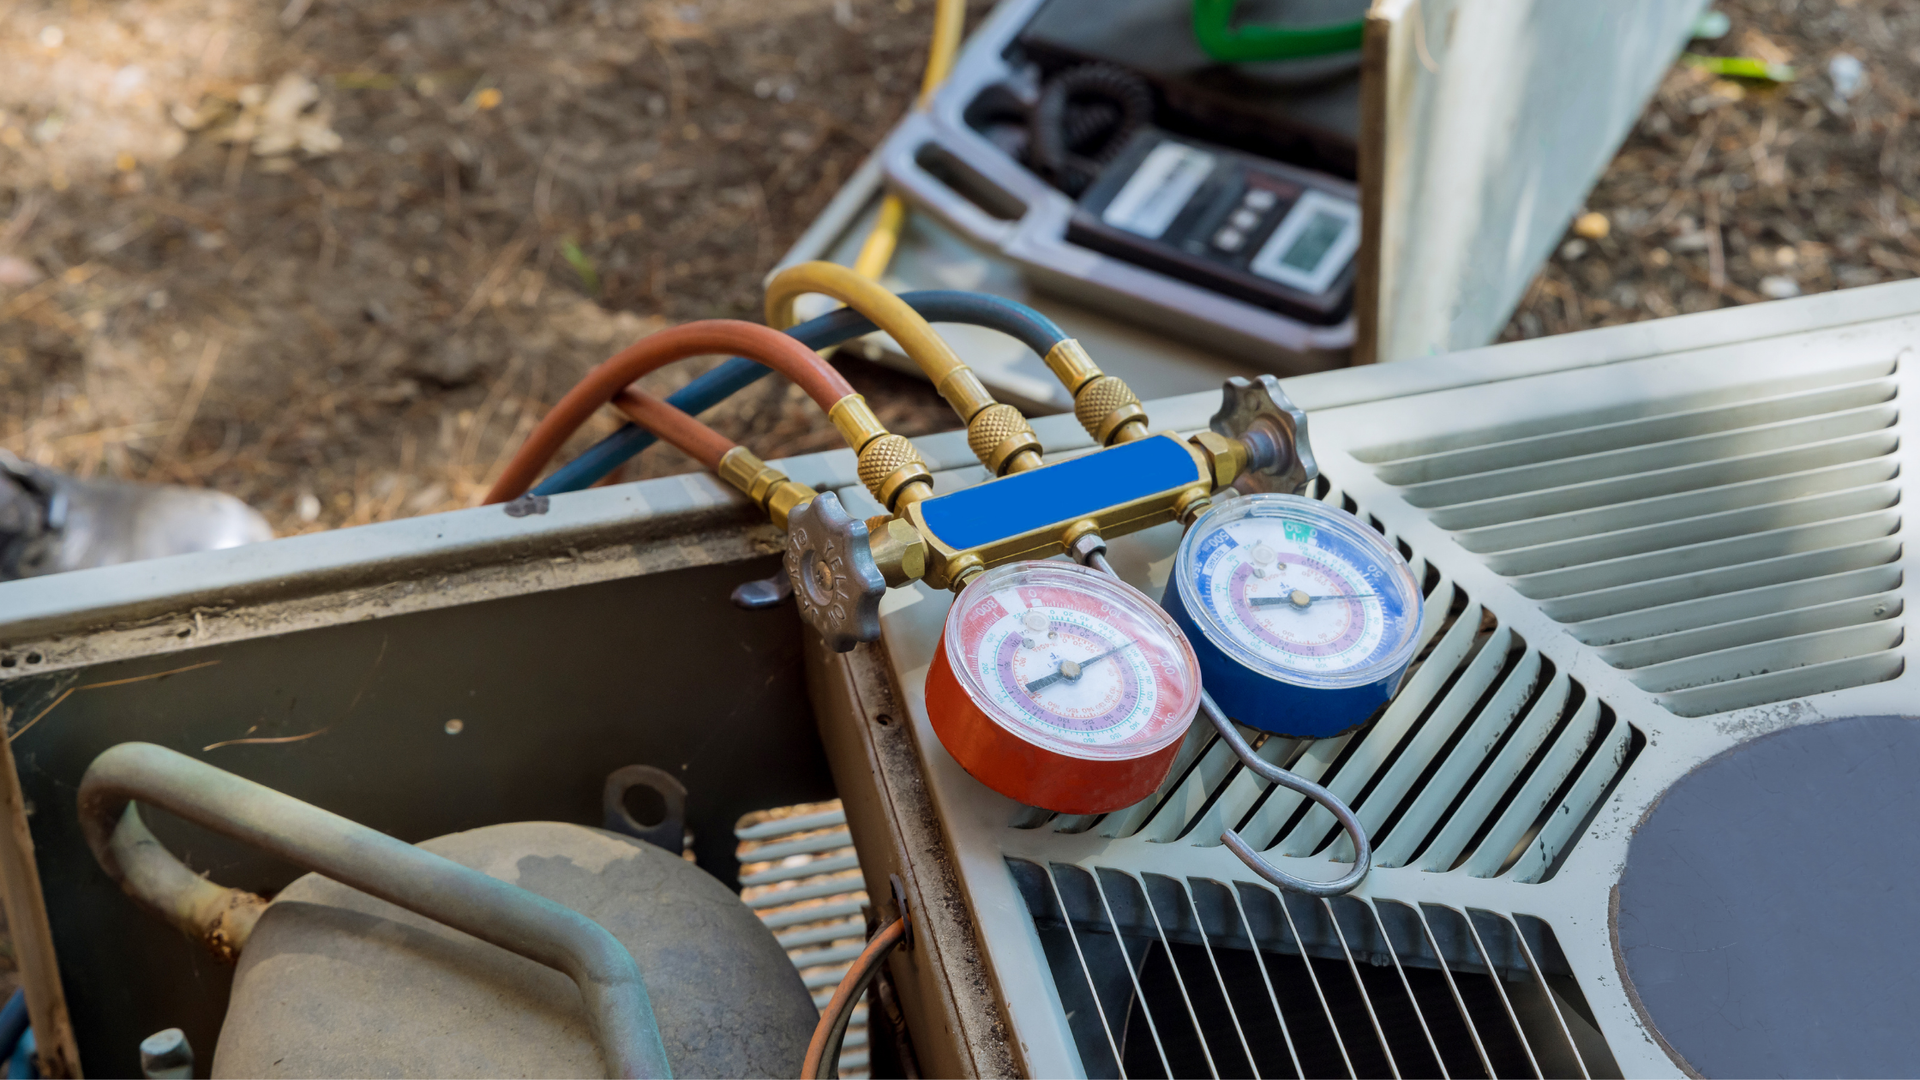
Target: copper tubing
{"x":619,"y":1014}
{"x":823,"y":1052}
{"x":709,"y":337}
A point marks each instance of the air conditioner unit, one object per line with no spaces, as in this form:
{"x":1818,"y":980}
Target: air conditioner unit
{"x":1643,"y":808}
{"x":1614,"y":829}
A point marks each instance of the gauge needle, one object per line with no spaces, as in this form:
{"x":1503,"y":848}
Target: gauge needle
{"x":1071,"y":670}
{"x":1299,"y":598}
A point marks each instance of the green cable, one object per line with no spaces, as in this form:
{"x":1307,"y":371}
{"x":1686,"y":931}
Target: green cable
{"x":1213,"y":25}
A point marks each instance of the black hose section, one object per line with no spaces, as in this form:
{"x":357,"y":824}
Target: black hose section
{"x":1016,"y":320}
{"x":823,"y":1056}
{"x":619,"y":1013}
{"x":1059,"y":136}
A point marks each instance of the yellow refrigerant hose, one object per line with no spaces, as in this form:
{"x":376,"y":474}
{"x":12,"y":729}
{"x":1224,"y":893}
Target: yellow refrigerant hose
{"x":949,"y":22}
{"x":998,"y":435}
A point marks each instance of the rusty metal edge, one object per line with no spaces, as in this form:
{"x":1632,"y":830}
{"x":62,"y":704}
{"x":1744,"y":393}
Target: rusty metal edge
{"x":945,"y":986}
{"x":706,"y":538}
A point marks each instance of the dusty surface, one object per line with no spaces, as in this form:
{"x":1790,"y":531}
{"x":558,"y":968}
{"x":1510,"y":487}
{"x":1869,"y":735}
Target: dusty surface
{"x":336,"y":258}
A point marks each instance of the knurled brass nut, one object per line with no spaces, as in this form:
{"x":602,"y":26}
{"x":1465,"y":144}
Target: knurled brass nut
{"x":1104,"y":405}
{"x":997,"y":433}
{"x":889,"y":463}
{"x":1000,"y":458}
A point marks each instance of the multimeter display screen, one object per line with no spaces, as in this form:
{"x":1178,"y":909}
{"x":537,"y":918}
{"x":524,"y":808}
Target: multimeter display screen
{"x":1248,"y":227}
{"x":1314,"y":241}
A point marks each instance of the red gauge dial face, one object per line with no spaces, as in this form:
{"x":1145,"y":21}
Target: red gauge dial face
{"x":1067,"y":658}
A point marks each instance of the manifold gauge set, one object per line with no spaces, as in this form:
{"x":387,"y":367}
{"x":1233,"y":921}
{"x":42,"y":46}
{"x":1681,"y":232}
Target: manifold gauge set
{"x":1067,"y":690}
{"x":1055,"y":684}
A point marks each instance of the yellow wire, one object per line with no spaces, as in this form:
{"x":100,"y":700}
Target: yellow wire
{"x":869,"y":298}
{"x":949,"y":21}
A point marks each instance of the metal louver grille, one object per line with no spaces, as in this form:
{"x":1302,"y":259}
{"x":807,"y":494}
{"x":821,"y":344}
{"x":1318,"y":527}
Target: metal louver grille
{"x":1164,"y":977}
{"x":1725,"y":549}
{"x":799,"y":873}
{"x":1487,"y":761}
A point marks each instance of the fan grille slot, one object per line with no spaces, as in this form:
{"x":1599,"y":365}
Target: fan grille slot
{"x":1725,"y":550}
{"x":1164,"y":977}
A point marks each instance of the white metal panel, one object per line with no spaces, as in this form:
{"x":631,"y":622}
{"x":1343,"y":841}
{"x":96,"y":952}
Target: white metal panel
{"x":1511,"y":770}
{"x":1498,"y":116}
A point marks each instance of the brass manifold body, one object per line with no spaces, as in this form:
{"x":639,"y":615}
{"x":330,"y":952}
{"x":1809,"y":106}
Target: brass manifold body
{"x":1217,"y":460}
{"x":1258,"y":439}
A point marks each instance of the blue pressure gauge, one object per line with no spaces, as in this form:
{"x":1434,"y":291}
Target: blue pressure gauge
{"x":1303,"y":619}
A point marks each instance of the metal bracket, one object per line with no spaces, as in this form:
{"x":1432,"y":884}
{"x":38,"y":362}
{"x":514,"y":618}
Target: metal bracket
{"x":670,"y":832}
{"x":900,"y":905}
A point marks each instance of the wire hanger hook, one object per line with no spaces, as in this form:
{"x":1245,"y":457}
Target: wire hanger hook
{"x":1091,"y":550}
{"x":1362,"y":850}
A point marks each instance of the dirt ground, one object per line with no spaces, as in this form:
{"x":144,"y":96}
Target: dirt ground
{"x":336,"y":258}
{"x":1732,"y":192}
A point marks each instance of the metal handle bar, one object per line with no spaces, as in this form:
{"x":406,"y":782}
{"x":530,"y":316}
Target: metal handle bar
{"x":1096,"y":557}
{"x":618,"y":1011}
{"x":953,"y":209}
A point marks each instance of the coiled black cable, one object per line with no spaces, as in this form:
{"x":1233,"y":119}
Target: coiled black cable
{"x":1084,"y":116}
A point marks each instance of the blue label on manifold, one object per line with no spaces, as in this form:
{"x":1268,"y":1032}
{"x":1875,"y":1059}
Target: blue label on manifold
{"x":1062,"y":492}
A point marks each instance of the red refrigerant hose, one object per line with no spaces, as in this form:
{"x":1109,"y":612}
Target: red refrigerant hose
{"x":709,"y":337}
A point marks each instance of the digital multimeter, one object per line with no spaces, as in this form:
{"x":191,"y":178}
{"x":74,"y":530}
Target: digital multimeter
{"x":1249,"y":227}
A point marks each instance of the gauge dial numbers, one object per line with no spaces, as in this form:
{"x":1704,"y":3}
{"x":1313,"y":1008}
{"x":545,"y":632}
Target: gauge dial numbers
{"x":1304,"y":619}
{"x":1059,"y":687}
{"x":1320,"y":612}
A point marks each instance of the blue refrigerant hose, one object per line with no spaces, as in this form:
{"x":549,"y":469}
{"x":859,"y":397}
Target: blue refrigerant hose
{"x":1029,"y":327}
{"x":13,"y":1026}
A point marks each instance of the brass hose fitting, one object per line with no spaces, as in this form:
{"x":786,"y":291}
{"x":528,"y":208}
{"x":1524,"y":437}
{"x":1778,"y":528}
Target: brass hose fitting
{"x":1000,"y":437}
{"x":1104,"y":404}
{"x":1003,"y":441}
{"x":890,"y":467}
{"x":770,"y":489}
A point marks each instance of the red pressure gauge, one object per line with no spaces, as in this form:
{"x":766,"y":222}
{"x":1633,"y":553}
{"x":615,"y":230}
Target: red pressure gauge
{"x":1059,"y":687}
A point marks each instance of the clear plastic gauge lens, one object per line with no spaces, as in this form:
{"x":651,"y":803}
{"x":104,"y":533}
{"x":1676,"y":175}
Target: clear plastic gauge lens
{"x":1299,"y":592}
{"x":1070,"y":660}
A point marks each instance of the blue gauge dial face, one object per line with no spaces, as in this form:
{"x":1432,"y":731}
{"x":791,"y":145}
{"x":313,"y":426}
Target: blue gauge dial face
{"x":1297,"y":590}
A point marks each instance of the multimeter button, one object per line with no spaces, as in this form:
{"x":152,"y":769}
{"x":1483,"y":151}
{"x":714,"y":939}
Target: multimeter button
{"x":1245,"y":219}
{"x":1259,"y":200}
{"x":1229,"y":239}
